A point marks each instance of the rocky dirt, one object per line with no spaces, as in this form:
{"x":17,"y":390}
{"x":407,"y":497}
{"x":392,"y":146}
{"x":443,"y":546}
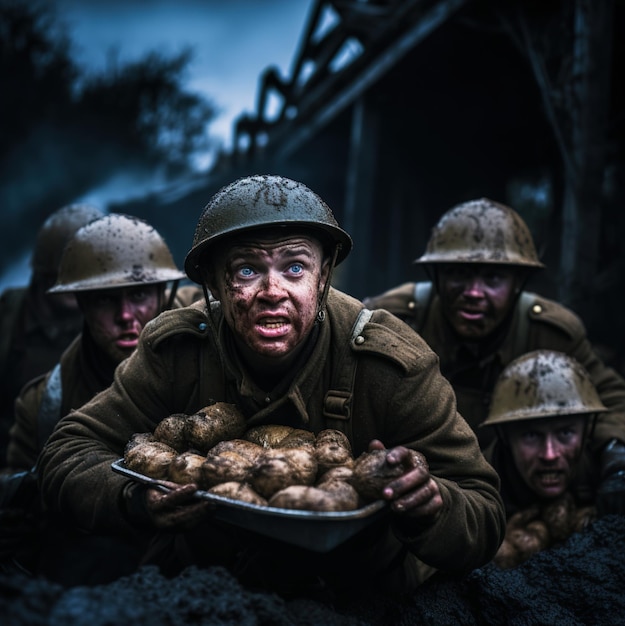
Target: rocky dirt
{"x":579,"y":582}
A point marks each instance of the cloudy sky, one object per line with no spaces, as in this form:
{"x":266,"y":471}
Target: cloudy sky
{"x":234,"y":41}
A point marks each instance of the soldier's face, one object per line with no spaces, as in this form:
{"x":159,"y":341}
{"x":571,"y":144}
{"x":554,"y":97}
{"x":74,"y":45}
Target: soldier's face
{"x":116,"y":317}
{"x":546,"y":452}
{"x":270,"y":288}
{"x":476,"y":298}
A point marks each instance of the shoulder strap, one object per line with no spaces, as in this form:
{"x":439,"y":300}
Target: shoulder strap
{"x":50,"y":408}
{"x":422,"y":296}
{"x":521,"y":337}
{"x":337,"y":404}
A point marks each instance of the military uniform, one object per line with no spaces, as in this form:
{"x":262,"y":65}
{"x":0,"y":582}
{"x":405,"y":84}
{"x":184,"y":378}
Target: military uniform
{"x":536,"y":323}
{"x":30,"y":344}
{"x":396,"y":395}
{"x":84,"y":371}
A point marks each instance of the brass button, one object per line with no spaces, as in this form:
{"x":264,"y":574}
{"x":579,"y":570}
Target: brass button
{"x":359,"y":340}
{"x":412,"y":304}
{"x":537,"y":309}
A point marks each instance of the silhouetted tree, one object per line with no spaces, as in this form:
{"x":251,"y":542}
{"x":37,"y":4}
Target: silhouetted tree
{"x":65,"y":132}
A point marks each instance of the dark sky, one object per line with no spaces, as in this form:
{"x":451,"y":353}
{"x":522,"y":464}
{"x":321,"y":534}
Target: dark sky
{"x":233,"y":40}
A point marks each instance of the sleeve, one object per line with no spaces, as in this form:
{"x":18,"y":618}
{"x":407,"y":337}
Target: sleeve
{"x":23,"y":446}
{"x":76,"y":477}
{"x":416,"y":407}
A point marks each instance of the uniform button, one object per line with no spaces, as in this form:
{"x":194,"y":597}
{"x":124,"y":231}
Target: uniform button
{"x":412,"y":305}
{"x":359,"y":340}
{"x":202,"y":326}
{"x":267,"y":399}
{"x":537,"y":309}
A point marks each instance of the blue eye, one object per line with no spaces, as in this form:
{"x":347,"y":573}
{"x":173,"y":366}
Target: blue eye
{"x":296,"y":268}
{"x":246,"y":272}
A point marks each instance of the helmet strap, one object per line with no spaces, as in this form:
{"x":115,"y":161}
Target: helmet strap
{"x":321,"y":313}
{"x":172,"y":295}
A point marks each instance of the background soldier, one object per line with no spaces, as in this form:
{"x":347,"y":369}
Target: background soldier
{"x":36,"y":327}
{"x":118,"y":268}
{"x":543,"y":411}
{"x":475,"y":315}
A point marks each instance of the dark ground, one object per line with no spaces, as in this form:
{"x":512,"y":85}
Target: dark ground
{"x":580,"y":582}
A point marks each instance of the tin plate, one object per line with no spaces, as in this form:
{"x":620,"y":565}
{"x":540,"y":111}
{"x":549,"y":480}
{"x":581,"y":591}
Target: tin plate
{"x":313,"y":530}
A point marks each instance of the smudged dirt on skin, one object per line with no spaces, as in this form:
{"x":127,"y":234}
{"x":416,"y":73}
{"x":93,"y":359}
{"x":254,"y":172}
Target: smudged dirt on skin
{"x":573,"y":573}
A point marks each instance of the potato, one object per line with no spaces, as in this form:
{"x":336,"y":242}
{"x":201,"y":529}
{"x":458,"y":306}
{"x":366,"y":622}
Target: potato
{"x":306,"y":498}
{"x":372,"y":473}
{"x":282,"y":467}
{"x":341,"y":472}
{"x":187,"y":468}
{"x":225,"y":467}
{"x":238,"y":491}
{"x":151,"y":458}
{"x":138,"y":438}
{"x":298,"y":438}
{"x":268,"y":435}
{"x":212,"y":424}
{"x":247,"y":449}
{"x":172,"y":430}
{"x":347,"y":495}
{"x":332,"y":448}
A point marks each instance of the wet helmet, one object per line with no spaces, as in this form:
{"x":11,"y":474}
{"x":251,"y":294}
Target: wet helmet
{"x":56,"y":231}
{"x":115,"y":251}
{"x":542,"y":383}
{"x":481,"y":231}
{"x":259,"y":202}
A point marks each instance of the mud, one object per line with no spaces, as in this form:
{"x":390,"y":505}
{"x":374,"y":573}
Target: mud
{"x":579,"y":582}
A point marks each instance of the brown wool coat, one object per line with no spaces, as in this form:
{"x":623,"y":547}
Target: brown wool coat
{"x":549,"y":326}
{"x":399,"y":397}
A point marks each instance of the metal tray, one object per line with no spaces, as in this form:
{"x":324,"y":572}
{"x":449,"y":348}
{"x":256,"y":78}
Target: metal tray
{"x":316,"y":531}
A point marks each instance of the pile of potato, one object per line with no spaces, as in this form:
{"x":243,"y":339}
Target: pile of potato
{"x":539,"y":527}
{"x":270,"y":465}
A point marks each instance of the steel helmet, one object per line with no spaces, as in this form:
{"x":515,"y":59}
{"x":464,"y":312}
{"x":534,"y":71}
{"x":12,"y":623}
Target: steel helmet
{"x":258,"y":202}
{"x":115,"y":251}
{"x":56,"y":231}
{"x":542,"y":383}
{"x":481,"y":231}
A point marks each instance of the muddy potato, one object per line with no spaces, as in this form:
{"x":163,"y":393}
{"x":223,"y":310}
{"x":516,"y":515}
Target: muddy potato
{"x":238,"y":491}
{"x":341,"y":472}
{"x":372,"y":473}
{"x":268,"y":435}
{"x":247,"y":449}
{"x":306,"y":498}
{"x":172,"y":430}
{"x":138,"y":438}
{"x":298,"y":438}
{"x":225,"y":467}
{"x":282,"y":467}
{"x":187,"y":468}
{"x":332,"y":448}
{"x":151,"y":458}
{"x":347,"y":495}
{"x":558,"y":517}
{"x":531,"y":539}
{"x":212,"y":424}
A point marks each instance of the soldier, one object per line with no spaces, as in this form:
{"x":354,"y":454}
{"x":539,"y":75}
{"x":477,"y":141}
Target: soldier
{"x":285,"y":348}
{"x":36,"y":327}
{"x":476,"y":316}
{"x":118,"y":268}
{"x":543,"y":410}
